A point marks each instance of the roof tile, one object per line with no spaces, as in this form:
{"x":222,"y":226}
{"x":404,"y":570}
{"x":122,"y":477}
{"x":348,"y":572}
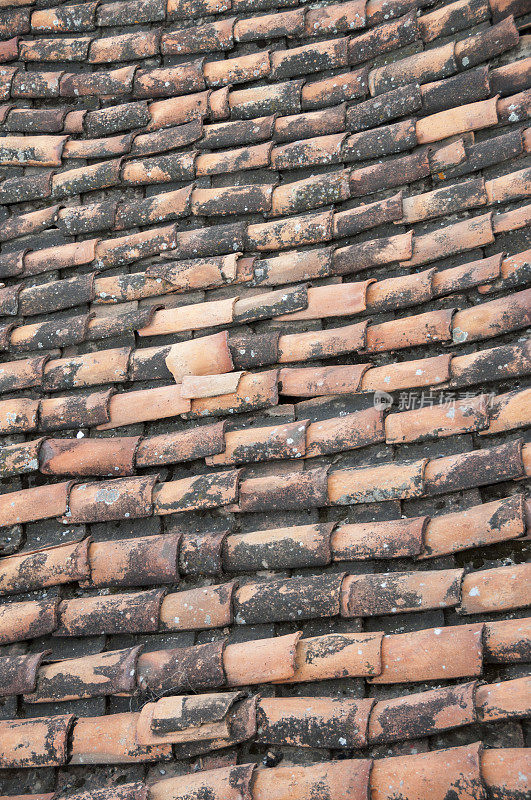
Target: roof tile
{"x":225,"y":783}
{"x":27,"y":620}
{"x":295,"y":490}
{"x":429,"y":65}
{"x":349,"y":779}
{"x":283,"y":600}
{"x":473,"y":527}
{"x":388,"y":539}
{"x":309,"y":382}
{"x":454,"y":17}
{"x":433,"y":654}
{"x":382,"y":141}
{"x":208,"y":38}
{"x":19,"y":673}
{"x":502,"y":771}
{"x":362,"y":595}
{"x":104,"y":366}
{"x":436,"y":421}
{"x":499,"y":589}
{"x":507,"y":641}
{"x":461,"y":471}
{"x":281,"y":548}
{"x":493,"y":319}
{"x":464,"y":88}
{"x":334,"y":90}
{"x":327,"y":723}
{"x":90,"y":676}
{"x":75,"y":410}
{"x":65,"y":19}
{"x":436,"y":774}
{"x":107,"y":500}
{"x":118,"y":613}
{"x":35,"y":742}
{"x":374,"y":484}
{"x":142,"y":561}
{"x":408,"y":374}
{"x":277,"y":25}
{"x":112,"y":739}
{"x":384,"y":38}
{"x":75,"y":49}
{"x":196,"y":667}
{"x":337,"y":655}
{"x":502,"y":700}
{"x":206,"y":607}
{"x":248,"y":663}
{"x":453,"y":121}
{"x":377,"y":110}
{"x":486,"y":44}
{"x":237,"y":70}
{"x":389,"y":174}
{"x":262,"y":100}
{"x":424,"y":713}
{"x":50,"y":566}
{"x":198,"y":492}
{"x":39,"y":502}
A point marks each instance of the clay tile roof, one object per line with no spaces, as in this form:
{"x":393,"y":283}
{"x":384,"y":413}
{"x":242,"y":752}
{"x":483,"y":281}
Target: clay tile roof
{"x":264,"y":400}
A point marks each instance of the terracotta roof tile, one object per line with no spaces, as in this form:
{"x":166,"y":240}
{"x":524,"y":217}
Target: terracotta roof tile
{"x":281,"y":600}
{"x":112,"y":738}
{"x":361,"y":595}
{"x":423,"y":713}
{"x":90,"y":676}
{"x":436,"y":774}
{"x":347,"y":778}
{"x":502,"y":700}
{"x":453,"y":17}
{"x":26,"y":620}
{"x":393,"y":539}
{"x":329,"y":723}
{"x":35,"y":742}
{"x":66,"y":19}
{"x":289,"y":23}
{"x":474,"y":526}
{"x":209,"y":607}
{"x":338,"y":655}
{"x":387,"y":36}
{"x":198,"y":492}
{"x":337,"y":89}
{"x":20,"y":672}
{"x":229,"y":783}
{"x":434,"y":654}
{"x":502,"y":770}
{"x":84,"y":616}
{"x":495,"y":589}
{"x":36,"y":569}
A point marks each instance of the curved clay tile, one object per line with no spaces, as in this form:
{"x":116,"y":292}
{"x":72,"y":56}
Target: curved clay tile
{"x":433,"y":654}
{"x":439,"y":774}
{"x":41,"y":742}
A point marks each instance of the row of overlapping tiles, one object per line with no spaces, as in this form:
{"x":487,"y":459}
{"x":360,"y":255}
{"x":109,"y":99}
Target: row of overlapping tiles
{"x":468,"y":772}
{"x":324,"y":595}
{"x":189,"y":725}
{"x":295,"y":486}
{"x":272,"y":64}
{"x":295,"y":303}
{"x":300,"y":438}
{"x":209,"y":375}
{"x":289,"y":198}
{"x":168,"y":557}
